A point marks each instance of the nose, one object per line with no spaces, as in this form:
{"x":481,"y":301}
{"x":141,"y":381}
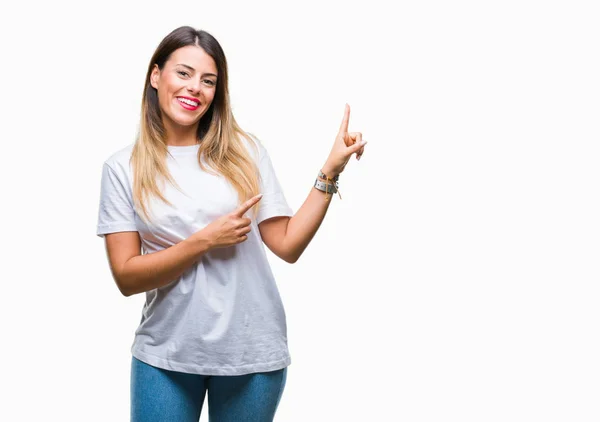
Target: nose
{"x":194,"y":86}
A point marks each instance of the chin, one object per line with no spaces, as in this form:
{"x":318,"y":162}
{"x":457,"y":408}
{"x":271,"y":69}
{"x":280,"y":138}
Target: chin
{"x":186,"y":120}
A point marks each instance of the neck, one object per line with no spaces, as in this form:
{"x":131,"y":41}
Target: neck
{"x":180,"y":136}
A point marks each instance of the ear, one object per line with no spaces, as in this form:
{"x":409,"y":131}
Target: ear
{"x":154,"y":76}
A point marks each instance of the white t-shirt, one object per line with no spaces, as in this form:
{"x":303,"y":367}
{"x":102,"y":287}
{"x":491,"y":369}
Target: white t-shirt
{"x":224,"y":315}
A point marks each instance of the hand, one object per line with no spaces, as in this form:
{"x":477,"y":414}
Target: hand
{"x":344,"y":146}
{"x":231,"y":228}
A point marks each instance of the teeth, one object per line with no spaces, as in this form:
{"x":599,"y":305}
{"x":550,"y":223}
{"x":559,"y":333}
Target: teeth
{"x":190,"y":102}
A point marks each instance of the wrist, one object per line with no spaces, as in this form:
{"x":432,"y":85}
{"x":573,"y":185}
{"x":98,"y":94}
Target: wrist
{"x":327,"y":180}
{"x":200,"y":242}
{"x":329,"y":171}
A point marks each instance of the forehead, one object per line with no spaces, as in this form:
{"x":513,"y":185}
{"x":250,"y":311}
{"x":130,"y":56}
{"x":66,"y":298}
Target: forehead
{"x":195,"y":57}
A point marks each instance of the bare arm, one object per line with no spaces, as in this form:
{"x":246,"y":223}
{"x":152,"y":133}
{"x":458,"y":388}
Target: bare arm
{"x":136,"y":273}
{"x":288,"y":237}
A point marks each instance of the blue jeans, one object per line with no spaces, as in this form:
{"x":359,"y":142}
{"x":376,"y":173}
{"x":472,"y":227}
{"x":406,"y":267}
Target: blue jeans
{"x":159,"y":395}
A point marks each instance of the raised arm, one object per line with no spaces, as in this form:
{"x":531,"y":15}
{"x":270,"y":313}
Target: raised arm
{"x":288,"y":237}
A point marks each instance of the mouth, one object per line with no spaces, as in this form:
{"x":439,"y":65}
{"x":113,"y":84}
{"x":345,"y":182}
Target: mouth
{"x":188,"y":103}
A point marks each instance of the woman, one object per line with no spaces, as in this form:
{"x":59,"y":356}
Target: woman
{"x":213,"y":318}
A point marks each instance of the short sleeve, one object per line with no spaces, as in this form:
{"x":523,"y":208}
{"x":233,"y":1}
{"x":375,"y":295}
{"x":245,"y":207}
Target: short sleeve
{"x":273,"y":202}
{"x":116,"y":213}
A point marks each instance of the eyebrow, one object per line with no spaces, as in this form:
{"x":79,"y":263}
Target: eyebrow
{"x":193,"y":70}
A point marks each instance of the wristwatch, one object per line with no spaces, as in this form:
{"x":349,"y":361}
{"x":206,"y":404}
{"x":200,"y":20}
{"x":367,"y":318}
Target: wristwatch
{"x":325,"y":187}
{"x":322,"y":176}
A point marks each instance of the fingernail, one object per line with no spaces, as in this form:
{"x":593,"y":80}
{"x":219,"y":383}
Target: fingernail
{"x":363,"y":143}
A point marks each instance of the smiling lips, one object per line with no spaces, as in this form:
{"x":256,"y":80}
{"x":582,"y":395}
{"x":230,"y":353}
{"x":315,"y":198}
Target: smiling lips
{"x":188,"y":103}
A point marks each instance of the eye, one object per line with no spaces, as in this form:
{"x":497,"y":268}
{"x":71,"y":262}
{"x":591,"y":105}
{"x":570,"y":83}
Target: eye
{"x":182,"y":73}
{"x":209,"y":82}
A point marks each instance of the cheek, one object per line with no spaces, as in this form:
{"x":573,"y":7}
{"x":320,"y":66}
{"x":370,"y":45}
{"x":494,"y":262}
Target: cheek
{"x":170,"y":85}
{"x":165,"y":100}
{"x":210,"y":96}
{"x":167,"y":90}
{"x":163,"y":91}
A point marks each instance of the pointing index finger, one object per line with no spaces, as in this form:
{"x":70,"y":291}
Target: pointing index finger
{"x":242,"y":209}
{"x":345,"y":120}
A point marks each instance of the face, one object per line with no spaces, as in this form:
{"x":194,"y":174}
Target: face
{"x":186,"y":85}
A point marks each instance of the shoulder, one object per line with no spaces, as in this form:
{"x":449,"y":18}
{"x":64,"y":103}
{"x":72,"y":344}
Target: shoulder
{"x":255,"y":147}
{"x":119,"y":161}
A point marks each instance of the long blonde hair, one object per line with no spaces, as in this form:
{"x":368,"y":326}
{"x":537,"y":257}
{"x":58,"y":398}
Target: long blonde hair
{"x":222,"y":143}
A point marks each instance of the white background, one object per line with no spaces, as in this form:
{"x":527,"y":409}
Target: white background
{"x":457,"y":279}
